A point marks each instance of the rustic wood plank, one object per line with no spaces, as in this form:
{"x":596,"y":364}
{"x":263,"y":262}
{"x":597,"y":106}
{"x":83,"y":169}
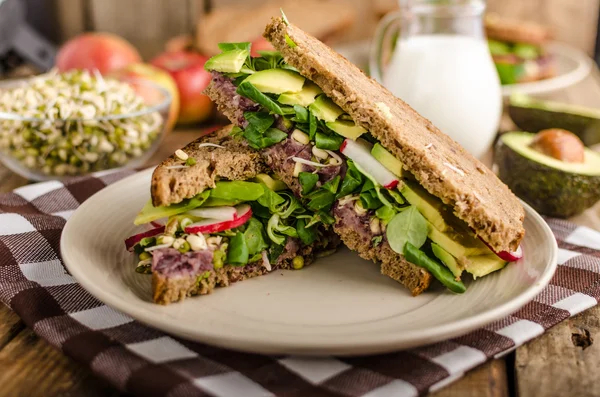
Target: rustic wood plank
{"x":488,"y":380}
{"x":31,"y":367}
{"x":564,"y":362}
{"x":10,"y":325}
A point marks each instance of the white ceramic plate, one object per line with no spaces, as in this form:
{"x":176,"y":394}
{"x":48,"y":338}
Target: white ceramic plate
{"x":573,"y":65}
{"x":339,"y":305}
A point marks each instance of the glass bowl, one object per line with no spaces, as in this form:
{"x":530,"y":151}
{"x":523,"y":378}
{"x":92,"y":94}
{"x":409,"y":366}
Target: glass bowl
{"x":45,"y":148}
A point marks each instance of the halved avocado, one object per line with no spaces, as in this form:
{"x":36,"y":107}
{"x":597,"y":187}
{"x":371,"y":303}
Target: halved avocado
{"x":533,"y":115}
{"x":553,"y":187}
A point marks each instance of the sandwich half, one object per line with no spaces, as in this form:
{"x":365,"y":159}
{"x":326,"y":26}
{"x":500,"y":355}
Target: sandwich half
{"x":217,"y":217}
{"x":401,"y":192}
{"x":518,"y":49}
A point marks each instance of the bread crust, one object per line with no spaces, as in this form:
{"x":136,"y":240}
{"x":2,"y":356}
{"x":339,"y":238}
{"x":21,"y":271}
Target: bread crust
{"x":166,"y":290}
{"x":515,"y":31}
{"x":441,"y":165}
{"x":235,"y":162}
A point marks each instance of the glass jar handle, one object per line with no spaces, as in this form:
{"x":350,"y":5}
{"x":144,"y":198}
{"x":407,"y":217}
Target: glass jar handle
{"x":386,"y":35}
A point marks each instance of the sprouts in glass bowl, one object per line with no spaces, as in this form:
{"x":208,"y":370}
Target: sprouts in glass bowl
{"x":58,"y":125}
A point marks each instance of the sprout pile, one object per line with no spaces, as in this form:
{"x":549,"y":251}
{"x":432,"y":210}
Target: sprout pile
{"x":73,"y":123}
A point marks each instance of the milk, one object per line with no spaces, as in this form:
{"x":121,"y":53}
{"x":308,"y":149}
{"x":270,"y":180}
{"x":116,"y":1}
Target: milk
{"x":452,"y":81}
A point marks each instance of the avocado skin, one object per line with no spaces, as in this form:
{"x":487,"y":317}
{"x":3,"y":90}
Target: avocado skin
{"x":548,"y":190}
{"x":535,"y":119}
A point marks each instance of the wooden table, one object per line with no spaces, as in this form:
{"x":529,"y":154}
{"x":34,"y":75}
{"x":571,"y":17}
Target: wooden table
{"x":554,"y":364}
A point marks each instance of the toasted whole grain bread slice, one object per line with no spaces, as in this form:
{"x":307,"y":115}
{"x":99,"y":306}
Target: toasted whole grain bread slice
{"x":441,"y":165}
{"x":236,"y":161}
{"x":515,"y":31}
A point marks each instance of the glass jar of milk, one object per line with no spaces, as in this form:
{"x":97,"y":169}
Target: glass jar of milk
{"x":433,"y":55}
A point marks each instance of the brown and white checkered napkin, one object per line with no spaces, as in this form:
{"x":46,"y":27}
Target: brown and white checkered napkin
{"x":146,"y":362}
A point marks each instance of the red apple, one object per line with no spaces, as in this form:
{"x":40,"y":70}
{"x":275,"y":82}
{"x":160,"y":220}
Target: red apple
{"x":260,"y":44}
{"x":148,"y":72}
{"x":187,"y":69}
{"x":105,"y":52}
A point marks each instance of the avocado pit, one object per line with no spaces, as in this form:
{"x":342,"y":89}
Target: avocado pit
{"x":560,"y":144}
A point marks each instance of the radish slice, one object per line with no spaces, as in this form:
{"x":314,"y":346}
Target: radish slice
{"x":511,"y":256}
{"x":136,"y":238}
{"x":243,"y":215}
{"x":359,"y":151}
{"x":507,"y":255}
{"x":218,"y":213}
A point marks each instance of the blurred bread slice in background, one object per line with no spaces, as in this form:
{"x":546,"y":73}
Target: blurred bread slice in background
{"x":327,"y":20}
{"x":514,"y":30}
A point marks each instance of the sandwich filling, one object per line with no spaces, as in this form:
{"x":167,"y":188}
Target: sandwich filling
{"x":339,"y":170}
{"x":520,"y":62}
{"x":236,"y":230}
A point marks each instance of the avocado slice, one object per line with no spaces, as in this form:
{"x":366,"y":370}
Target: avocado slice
{"x":526,"y":51}
{"x":510,"y":73}
{"x":428,"y":205}
{"x":219,"y":202}
{"x":228,"y":61}
{"x":533,"y":115}
{"x":482,"y":265}
{"x":387,"y":159}
{"x":447,"y":260}
{"x":459,"y":245}
{"x":552,"y":187}
{"x":303,"y":98}
{"x":151,"y":213}
{"x":498,"y":47}
{"x":324,"y":109}
{"x":276,"y":81}
{"x":347,"y":129}
{"x":273,"y":184}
